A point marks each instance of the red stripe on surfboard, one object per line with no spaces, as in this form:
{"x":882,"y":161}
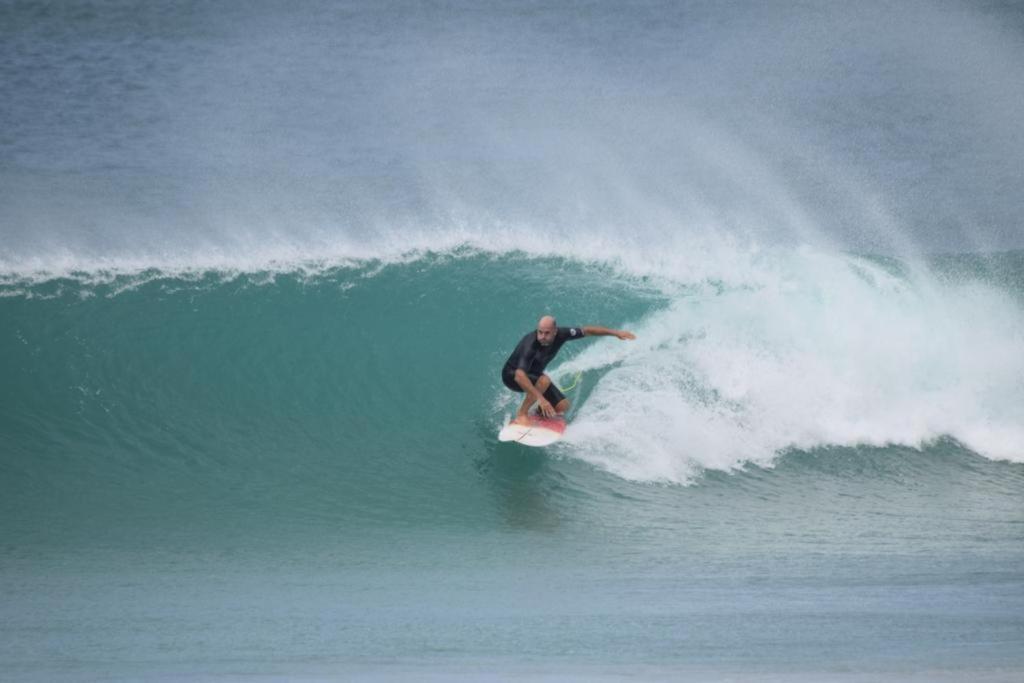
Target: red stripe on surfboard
{"x":555,"y":424}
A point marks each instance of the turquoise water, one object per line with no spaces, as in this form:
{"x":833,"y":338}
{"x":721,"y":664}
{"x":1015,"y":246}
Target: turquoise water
{"x":260,"y":266}
{"x":298,"y":474}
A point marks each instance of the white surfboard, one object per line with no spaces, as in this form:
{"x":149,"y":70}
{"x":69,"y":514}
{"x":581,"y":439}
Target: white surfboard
{"x":541,"y":431}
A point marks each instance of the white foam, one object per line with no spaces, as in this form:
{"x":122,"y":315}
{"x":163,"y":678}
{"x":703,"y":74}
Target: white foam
{"x":814,"y":349}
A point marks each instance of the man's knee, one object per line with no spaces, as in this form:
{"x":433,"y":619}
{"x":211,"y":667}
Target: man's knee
{"x":543,"y":383}
{"x":562,"y":406}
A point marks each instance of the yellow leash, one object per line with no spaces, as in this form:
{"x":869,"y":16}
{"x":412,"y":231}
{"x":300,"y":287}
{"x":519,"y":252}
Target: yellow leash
{"x":574,"y":383}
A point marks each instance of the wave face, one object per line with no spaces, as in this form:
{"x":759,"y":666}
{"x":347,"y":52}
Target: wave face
{"x":376,"y":382}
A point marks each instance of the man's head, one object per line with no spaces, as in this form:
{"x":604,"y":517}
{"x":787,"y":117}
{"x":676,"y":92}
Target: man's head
{"x":546,"y":329}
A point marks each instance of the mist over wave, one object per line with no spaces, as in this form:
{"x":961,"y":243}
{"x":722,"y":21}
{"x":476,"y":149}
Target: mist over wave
{"x":227,"y":135}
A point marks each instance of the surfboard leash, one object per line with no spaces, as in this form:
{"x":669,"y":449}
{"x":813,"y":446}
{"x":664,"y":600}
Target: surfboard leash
{"x":575,"y":381}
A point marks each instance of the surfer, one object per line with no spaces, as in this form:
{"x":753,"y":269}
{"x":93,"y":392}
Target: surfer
{"x":524,"y":369}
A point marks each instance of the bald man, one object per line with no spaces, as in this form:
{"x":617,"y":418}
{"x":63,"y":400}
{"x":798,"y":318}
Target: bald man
{"x":524,"y":369}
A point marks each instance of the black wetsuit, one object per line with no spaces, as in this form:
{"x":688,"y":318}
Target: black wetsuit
{"x":532,"y":358}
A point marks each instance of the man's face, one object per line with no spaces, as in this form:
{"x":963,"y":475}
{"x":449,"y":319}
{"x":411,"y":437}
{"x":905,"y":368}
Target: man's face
{"x":546,"y":334}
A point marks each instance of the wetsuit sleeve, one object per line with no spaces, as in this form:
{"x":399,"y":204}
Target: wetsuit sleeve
{"x":570,"y":333}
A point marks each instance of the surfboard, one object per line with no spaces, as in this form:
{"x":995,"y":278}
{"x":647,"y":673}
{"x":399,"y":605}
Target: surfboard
{"x":541,"y":431}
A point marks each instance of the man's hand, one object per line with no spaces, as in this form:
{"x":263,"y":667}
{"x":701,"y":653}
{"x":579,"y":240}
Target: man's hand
{"x":546,"y":409}
{"x":623,"y":334}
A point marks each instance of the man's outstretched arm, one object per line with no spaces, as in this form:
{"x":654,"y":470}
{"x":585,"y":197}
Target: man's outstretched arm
{"x":593,"y":330}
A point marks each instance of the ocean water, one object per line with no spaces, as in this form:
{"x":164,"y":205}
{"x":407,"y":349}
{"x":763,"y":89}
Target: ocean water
{"x":261,"y":264}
